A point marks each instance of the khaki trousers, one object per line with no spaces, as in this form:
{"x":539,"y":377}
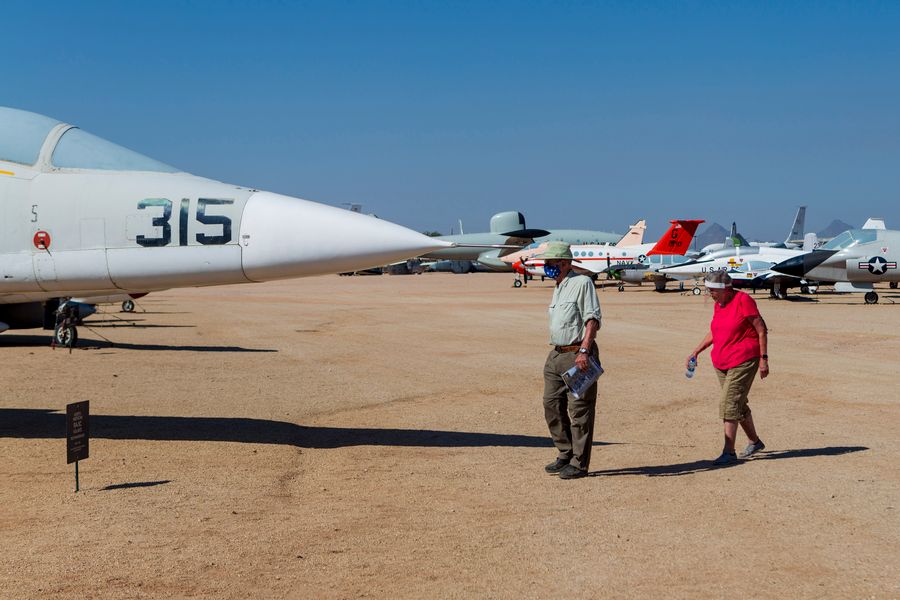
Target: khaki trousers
{"x":571,"y":421}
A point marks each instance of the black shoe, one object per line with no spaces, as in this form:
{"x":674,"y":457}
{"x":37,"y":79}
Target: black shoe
{"x":572,"y":472}
{"x":557,"y":465}
{"x":726,"y":458}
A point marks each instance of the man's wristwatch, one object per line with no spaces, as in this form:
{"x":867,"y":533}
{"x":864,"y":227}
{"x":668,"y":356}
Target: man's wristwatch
{"x":583,"y":351}
{"x":765,"y":356}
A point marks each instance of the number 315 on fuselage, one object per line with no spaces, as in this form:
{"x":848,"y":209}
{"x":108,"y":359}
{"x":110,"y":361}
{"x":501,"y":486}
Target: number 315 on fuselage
{"x":81,"y":216}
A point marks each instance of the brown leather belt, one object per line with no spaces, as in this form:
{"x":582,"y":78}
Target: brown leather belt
{"x":572,"y":348}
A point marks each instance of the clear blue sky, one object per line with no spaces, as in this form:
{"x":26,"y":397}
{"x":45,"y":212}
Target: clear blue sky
{"x":579,"y":114}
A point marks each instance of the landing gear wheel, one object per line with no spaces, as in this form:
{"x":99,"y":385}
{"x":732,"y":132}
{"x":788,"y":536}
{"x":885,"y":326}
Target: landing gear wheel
{"x":696,"y":291}
{"x":517,"y":283}
{"x":128,"y":306}
{"x":65,"y":335}
{"x":621,"y":288}
{"x":871,"y":297}
{"x":893,"y":285}
{"x":804,"y":289}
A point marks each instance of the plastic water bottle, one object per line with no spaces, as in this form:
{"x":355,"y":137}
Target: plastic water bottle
{"x":692,"y":366}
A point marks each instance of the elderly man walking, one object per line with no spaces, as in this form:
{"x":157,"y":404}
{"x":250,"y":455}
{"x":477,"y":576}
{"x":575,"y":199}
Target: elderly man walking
{"x":574,"y":321}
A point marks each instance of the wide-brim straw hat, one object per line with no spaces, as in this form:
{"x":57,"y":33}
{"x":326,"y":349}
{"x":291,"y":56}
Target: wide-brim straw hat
{"x":556,"y":251}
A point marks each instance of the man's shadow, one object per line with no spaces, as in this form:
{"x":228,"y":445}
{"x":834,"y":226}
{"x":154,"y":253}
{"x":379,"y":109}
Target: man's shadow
{"x":700,"y":466}
{"x":45,"y":423}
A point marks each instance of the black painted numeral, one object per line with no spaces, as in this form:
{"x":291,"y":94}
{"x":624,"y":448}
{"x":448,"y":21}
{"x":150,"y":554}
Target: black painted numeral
{"x":161,"y":221}
{"x":206,"y":219}
{"x":183,"y":222}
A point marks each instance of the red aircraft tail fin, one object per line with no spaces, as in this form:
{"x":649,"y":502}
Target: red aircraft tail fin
{"x":678,"y":238}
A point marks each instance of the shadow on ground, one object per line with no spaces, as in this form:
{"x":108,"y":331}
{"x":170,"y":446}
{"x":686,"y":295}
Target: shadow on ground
{"x":706,"y":465}
{"x":135,"y":484}
{"x":131,"y":323}
{"x":795,"y":298}
{"x":43,"y":341}
{"x":90,"y":345}
{"x":44,"y":423}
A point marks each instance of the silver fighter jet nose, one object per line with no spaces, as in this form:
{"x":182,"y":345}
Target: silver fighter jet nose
{"x":284,"y":237}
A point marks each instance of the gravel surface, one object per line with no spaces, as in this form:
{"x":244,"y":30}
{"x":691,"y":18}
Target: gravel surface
{"x":343,"y":437}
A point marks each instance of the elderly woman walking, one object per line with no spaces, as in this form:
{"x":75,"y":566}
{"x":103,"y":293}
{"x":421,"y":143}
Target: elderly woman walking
{"x":737,"y":334}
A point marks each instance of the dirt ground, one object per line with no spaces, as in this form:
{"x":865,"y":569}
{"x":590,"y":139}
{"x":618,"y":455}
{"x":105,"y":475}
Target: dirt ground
{"x":342,"y":437}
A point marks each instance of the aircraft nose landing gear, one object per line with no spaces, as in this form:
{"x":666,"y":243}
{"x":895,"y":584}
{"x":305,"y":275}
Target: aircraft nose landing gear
{"x":65,"y":333}
{"x":871,"y":298}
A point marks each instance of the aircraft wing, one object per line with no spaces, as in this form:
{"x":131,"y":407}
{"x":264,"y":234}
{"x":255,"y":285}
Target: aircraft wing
{"x":455,"y":245}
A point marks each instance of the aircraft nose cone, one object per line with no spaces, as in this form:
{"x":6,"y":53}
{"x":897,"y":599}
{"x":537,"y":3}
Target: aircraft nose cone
{"x":792,"y":266}
{"x":799,"y":266}
{"x":284,"y":237}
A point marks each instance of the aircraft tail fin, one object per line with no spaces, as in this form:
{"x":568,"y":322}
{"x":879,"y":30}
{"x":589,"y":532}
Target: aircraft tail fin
{"x":635,"y":235}
{"x":677,"y":239}
{"x":736,"y":239}
{"x":796,"y":234}
{"x":810,"y":241}
{"x":873,"y":223}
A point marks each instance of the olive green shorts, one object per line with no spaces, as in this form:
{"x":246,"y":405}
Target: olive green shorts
{"x":736,"y":383}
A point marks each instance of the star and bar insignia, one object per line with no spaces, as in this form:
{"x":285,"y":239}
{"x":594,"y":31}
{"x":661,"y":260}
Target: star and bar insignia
{"x":877,"y":265}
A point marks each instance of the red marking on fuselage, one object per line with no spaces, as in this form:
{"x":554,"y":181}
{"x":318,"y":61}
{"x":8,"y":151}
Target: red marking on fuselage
{"x":41,"y":240}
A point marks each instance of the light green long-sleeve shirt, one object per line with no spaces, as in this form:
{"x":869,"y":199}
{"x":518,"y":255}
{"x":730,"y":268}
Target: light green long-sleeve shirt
{"x":574,"y":303}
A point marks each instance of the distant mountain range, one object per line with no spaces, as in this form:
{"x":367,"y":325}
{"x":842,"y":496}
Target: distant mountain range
{"x":716,"y":234}
{"x":835,"y":227}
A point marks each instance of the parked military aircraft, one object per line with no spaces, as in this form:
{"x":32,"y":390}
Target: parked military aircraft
{"x":517,"y":260}
{"x":84,"y":217}
{"x":749,"y":267}
{"x":795,"y":237}
{"x":650,"y":271}
{"x":508,"y":233}
{"x":859,"y":257}
{"x":600,"y":259}
{"x":608,"y":259}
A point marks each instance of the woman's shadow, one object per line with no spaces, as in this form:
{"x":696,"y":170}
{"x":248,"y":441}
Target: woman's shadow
{"x":699,"y":466}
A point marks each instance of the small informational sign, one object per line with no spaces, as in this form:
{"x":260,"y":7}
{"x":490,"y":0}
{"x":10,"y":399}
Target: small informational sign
{"x":77,"y":431}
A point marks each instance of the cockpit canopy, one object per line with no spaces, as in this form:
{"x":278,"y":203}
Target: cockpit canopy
{"x":850,"y":238}
{"x":23,"y":135}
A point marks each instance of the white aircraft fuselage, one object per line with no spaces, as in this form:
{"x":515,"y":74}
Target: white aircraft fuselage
{"x":80,"y":216}
{"x":858,"y":256}
{"x":748,"y":267}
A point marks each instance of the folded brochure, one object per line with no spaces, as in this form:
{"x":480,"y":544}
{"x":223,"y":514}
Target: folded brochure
{"x":579,"y":381}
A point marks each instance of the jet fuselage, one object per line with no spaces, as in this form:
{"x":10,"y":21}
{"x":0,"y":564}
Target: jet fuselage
{"x":80,"y":216}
